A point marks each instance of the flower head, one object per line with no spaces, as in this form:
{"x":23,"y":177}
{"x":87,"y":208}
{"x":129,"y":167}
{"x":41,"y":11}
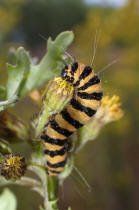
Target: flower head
{"x":56,"y":95}
{"x":13,"y":166}
{"x":110,"y":109}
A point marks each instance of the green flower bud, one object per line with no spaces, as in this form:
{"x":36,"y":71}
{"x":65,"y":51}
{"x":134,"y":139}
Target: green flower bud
{"x":56,"y":95}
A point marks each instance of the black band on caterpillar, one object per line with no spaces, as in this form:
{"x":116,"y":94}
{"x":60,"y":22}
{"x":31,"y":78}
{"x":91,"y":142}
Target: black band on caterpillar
{"x":95,"y":96}
{"x":52,"y":141}
{"x":87,"y":70}
{"x":74,"y":68}
{"x":93,"y":81}
{"x":60,"y":130}
{"x":57,"y":165}
{"x":66,"y":116}
{"x":56,"y":152}
{"x":77,"y":105}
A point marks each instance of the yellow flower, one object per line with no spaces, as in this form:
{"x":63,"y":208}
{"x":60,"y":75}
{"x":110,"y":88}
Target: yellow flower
{"x":110,"y":109}
{"x":13,"y":166}
{"x":62,"y":87}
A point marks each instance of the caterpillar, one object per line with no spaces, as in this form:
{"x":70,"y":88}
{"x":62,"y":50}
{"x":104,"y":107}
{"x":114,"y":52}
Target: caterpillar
{"x":83,"y":105}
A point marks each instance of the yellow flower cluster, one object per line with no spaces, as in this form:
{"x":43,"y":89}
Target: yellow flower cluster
{"x":65,"y":86}
{"x":110,"y":109}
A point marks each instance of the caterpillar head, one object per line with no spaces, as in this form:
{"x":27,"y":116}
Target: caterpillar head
{"x":75,"y":72}
{"x":68,"y":72}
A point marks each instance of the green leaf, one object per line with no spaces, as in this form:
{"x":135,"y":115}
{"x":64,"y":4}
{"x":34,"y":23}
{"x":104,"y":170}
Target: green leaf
{"x":1,"y":108}
{"x":24,"y":76}
{"x":59,"y":46}
{"x":52,"y":205}
{"x":41,"y":208}
{"x":50,"y":65}
{"x":7,"y":103}
{"x":17,"y":72}
{"x":2,"y":92}
{"x":7,"y":200}
{"x":4,"y":147}
{"x":2,"y":89}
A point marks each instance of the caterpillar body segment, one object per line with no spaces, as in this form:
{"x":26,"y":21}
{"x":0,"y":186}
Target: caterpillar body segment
{"x":83,"y":105}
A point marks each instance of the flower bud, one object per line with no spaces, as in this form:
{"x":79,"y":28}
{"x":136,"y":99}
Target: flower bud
{"x":57,"y":94}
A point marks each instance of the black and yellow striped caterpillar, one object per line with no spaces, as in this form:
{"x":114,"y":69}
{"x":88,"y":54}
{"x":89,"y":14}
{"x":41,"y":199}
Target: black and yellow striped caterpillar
{"x":83,"y":105}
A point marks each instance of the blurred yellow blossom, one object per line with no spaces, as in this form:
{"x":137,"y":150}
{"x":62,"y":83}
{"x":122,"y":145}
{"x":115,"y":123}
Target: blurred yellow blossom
{"x":35,"y":95}
{"x":109,"y":110}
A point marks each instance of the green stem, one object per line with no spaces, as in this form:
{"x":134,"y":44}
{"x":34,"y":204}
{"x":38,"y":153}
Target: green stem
{"x":49,"y":187}
{"x":51,"y":201}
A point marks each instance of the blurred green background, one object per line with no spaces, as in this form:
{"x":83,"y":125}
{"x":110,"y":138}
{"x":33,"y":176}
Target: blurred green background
{"x":111,"y":163}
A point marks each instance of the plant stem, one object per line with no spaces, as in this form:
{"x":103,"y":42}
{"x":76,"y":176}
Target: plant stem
{"x":24,"y":181}
{"x":51,"y":187}
{"x":9,"y":101}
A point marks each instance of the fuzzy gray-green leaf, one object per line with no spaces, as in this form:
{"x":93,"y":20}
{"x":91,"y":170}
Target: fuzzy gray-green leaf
{"x":7,"y":200}
{"x":7,"y":103}
{"x":17,"y":72}
{"x":50,"y":65}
